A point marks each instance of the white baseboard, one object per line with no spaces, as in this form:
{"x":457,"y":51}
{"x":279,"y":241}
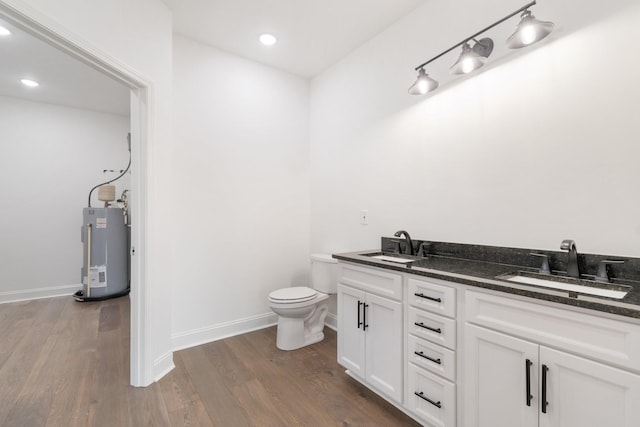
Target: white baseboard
{"x":332,"y":321}
{"x":37,"y":293}
{"x":211,"y":333}
{"x":163,"y":365}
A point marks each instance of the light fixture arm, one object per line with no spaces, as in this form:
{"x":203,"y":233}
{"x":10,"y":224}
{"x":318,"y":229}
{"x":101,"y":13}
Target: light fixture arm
{"x":511,"y":15}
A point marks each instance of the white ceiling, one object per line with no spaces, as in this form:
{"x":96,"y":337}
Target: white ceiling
{"x":63,"y":79}
{"x":312,"y":35}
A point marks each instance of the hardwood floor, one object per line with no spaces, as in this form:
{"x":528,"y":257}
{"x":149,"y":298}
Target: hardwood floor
{"x":64,"y":363}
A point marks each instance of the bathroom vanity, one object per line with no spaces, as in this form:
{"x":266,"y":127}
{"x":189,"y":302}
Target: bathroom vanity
{"x":448,"y":340}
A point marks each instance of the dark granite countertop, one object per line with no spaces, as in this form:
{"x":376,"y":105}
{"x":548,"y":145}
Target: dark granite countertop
{"x":456,"y":266}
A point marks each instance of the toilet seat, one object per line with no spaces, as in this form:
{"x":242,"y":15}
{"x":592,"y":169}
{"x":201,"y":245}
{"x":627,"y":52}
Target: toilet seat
{"x":294,"y":294}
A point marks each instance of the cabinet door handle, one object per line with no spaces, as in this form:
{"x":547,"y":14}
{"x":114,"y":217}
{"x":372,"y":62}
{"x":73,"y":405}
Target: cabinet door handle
{"x":421,"y":295}
{"x":364,"y":316}
{"x":359,"y":322}
{"x":545,"y":369}
{"x":422,"y":396}
{"x":421,"y":354}
{"x":422,"y":325}
{"x":528,"y":364}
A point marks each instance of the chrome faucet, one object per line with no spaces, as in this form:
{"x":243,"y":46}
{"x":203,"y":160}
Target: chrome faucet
{"x":409,"y":244}
{"x":573,"y":269}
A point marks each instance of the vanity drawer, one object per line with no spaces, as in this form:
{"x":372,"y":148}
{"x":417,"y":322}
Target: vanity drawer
{"x":432,"y":357}
{"x":433,"y":297}
{"x":382,"y":283}
{"x":431,"y":398}
{"x":432,"y":327}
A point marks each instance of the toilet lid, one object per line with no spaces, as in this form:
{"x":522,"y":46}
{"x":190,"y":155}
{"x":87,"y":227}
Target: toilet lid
{"x":293,"y":294}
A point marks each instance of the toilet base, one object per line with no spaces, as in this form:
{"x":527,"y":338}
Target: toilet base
{"x":284,"y":341}
{"x":294,"y":333}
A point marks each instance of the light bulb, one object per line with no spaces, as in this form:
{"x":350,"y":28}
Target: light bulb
{"x":422,"y":86}
{"x":528,"y":34}
{"x":467,"y":65}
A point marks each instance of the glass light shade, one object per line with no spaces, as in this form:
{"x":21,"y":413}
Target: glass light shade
{"x":468,"y":61}
{"x":529,"y":31}
{"x":4,"y":31}
{"x":423,"y":84}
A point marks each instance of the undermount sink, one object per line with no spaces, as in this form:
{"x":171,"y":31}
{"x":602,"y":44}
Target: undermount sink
{"x":389,"y":257}
{"x":572,"y":285}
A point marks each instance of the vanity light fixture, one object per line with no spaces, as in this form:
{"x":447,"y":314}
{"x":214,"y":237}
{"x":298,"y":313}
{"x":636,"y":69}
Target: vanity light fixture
{"x":4,"y":31}
{"x":29,"y":83}
{"x":528,"y":31}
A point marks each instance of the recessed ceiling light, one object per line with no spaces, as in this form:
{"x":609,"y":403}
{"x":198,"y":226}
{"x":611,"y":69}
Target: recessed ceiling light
{"x":29,"y":83}
{"x":268,"y":39}
{"x":4,"y":31}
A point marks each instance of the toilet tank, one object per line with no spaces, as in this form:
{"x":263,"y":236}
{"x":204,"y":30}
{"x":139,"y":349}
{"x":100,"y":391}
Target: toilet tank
{"x":324,"y":273}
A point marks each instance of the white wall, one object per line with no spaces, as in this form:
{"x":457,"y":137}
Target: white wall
{"x":136,"y":34}
{"x":50,"y":157}
{"x":240,"y":191}
{"x":537,"y":149}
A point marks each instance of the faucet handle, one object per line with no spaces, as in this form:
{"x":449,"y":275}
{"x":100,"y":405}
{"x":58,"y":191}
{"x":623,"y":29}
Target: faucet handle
{"x":423,"y":249}
{"x":544,"y":268}
{"x":603,"y":269}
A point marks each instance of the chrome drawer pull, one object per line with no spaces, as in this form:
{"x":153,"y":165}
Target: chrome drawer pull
{"x":422,"y":325}
{"x":421,"y":295}
{"x":421,"y":354}
{"x":421,"y":396}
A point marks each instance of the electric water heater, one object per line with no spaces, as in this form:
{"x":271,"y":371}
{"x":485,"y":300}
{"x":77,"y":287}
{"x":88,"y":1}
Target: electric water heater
{"x":105,"y":260}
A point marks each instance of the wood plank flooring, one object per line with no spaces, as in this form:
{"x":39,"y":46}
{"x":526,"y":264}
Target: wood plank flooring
{"x":66,"y":364}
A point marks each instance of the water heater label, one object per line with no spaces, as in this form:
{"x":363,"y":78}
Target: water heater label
{"x":101,"y":222}
{"x":99,"y":276}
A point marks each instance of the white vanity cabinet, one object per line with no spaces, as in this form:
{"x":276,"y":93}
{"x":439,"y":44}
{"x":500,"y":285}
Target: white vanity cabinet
{"x":452,"y":354}
{"x":370,"y":328}
{"x":531,"y":365}
{"x":431,"y":351}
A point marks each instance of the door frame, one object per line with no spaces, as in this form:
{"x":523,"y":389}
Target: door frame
{"x":141,"y":116}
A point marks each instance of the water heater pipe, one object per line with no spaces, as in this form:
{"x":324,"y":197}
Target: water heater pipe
{"x":88,"y":261}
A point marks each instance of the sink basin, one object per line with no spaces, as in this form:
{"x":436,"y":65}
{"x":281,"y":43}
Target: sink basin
{"x":389,"y":257}
{"x":393,"y":259}
{"x":590,"y":287}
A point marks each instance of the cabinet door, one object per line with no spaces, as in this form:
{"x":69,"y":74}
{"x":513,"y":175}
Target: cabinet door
{"x":496,"y":371}
{"x":350,"y":333}
{"x":383,"y":353}
{"x":583,"y":393}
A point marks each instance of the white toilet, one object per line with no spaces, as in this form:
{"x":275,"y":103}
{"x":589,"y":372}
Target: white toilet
{"x":301,"y":310}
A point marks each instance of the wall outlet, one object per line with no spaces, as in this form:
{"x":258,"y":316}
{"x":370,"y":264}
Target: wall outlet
{"x":364,"y":217}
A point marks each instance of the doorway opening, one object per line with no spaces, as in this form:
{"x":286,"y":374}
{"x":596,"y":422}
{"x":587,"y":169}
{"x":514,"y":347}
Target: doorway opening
{"x":141,"y":358}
